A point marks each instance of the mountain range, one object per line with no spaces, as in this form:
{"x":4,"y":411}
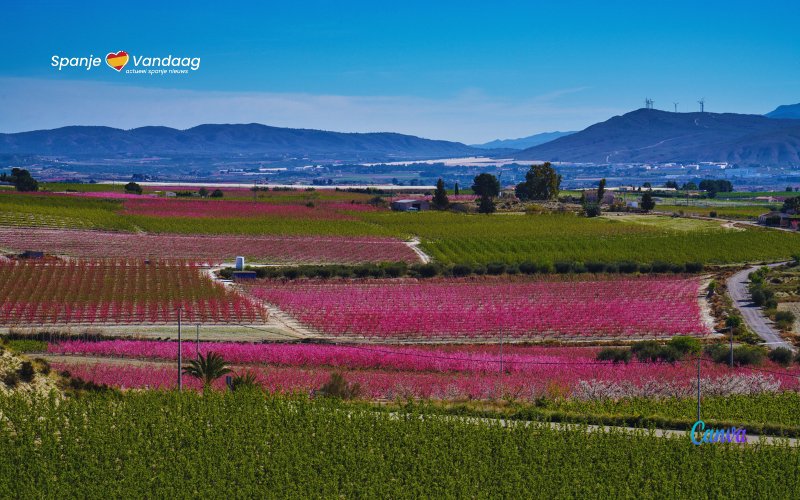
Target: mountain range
{"x":650,"y":136}
{"x":641,"y":136}
{"x":791,"y":111}
{"x":229,"y":140}
{"x":522,"y":142}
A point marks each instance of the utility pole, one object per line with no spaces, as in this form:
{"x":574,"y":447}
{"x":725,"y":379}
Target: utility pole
{"x":180,"y":354}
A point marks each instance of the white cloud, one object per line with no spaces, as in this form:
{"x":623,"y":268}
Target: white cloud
{"x":470,"y":117}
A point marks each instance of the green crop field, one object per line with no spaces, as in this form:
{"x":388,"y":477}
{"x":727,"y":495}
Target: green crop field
{"x":448,"y":237}
{"x":249,"y":445}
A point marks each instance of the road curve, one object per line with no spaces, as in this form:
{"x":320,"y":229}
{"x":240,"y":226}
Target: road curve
{"x":756,"y":321}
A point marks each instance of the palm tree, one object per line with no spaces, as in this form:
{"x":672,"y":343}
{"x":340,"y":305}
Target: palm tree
{"x":207,"y":368}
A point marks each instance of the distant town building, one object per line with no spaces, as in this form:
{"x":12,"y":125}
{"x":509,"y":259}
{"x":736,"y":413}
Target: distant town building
{"x":411,"y":205}
{"x":779,"y":219}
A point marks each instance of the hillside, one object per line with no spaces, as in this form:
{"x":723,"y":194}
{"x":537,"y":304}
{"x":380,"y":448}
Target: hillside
{"x":225,"y":140}
{"x":523,"y":142}
{"x":647,"y":135}
{"x":790,"y":111}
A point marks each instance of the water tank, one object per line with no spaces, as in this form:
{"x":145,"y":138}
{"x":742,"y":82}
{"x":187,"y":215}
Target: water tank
{"x":239,"y":263}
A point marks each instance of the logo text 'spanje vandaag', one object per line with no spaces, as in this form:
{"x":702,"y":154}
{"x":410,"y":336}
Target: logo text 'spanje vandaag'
{"x":123,"y":62}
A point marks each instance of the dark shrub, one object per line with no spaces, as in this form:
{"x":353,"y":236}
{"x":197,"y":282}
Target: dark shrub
{"x":694,"y":267}
{"x":495,"y":268}
{"x":361,"y":271}
{"x":323,"y":272}
{"x":595,"y":267}
{"x":614,"y":354}
{"x":244,"y":381}
{"x":11,"y":379}
{"x":563,"y":267}
{"x":668,"y":354}
{"x":645,"y":268}
{"x":677,"y":268}
{"x":26,"y":371}
{"x":591,"y":210}
{"x":757,"y":295}
{"x":685,"y":345}
{"x":462,"y":270}
{"x":427,"y":270}
{"x":748,"y":355}
{"x":512,"y":269}
{"x":528,"y":268}
{"x":344,"y":272}
{"x":376,"y":272}
{"x":660,"y":267}
{"x":291,"y":273}
{"x":628,"y":267}
{"x":338,"y":387}
{"x":646,"y":350}
{"x":784,"y":320}
{"x":781,"y":355}
{"x":613,"y":267}
{"x":396,"y":269}
{"x":712,"y":214}
{"x":742,"y":355}
{"x":42,"y":365}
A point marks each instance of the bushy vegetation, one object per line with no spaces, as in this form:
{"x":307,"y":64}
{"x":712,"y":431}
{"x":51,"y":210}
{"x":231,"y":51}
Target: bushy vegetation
{"x":677,"y":348}
{"x":401,"y":269}
{"x":245,"y":444}
{"x":743,"y":355}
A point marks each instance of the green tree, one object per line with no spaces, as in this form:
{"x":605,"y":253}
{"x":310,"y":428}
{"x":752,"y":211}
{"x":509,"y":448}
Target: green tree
{"x":133,"y":187}
{"x":217,"y":193}
{"x":203,"y":192}
{"x":591,"y":210}
{"x":440,"y":200}
{"x":207,"y":368}
{"x":542,"y":182}
{"x":245,"y":380}
{"x":487,"y":187}
{"x":647,"y":201}
{"x":21,"y":179}
{"x":791,"y":204}
{"x":601,"y":190}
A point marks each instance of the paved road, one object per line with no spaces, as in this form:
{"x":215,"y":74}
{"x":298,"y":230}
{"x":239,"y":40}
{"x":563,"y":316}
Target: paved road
{"x":756,"y":321}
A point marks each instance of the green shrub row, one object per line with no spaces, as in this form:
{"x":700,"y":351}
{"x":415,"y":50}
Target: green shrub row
{"x":400,"y":269}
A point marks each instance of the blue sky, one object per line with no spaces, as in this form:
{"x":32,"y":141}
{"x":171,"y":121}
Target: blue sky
{"x":451,"y":70}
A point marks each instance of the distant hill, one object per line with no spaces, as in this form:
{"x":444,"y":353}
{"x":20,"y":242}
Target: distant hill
{"x":791,"y":111}
{"x":522,"y":142}
{"x":648,"y":135}
{"x":227,"y":140}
